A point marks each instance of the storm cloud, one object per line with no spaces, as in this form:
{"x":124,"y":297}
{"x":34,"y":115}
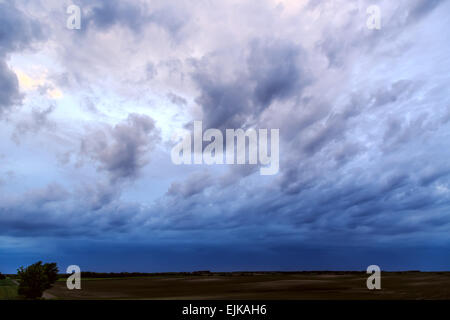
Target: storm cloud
{"x":122,"y":150}
{"x":17,"y":33}
{"x":363,"y":118}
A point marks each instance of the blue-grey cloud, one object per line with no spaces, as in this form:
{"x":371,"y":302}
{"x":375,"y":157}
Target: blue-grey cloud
{"x":122,"y":150}
{"x":271,"y":71}
{"x":17,"y":32}
{"x":363,"y":118}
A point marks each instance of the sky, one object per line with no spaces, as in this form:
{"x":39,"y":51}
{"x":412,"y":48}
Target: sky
{"x":89,"y":116}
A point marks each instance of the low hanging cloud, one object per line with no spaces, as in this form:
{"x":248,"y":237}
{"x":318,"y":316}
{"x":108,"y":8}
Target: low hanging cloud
{"x":122,"y":150}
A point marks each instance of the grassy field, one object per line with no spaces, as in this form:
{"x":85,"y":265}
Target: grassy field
{"x":8,"y":290}
{"x":290,"y":286}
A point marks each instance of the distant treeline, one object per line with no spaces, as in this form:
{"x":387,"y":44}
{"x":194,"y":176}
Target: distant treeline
{"x":89,"y":274}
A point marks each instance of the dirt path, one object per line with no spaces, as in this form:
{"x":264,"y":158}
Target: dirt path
{"x":45,"y":295}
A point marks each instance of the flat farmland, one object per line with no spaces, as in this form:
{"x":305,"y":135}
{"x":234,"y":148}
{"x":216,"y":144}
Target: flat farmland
{"x":282,"y":286}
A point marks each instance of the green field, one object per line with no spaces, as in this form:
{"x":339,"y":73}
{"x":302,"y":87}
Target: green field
{"x":8,"y":290}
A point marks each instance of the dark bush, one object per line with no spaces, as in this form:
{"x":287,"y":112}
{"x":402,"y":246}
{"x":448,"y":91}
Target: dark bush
{"x":2,"y":276}
{"x":37,"y":278}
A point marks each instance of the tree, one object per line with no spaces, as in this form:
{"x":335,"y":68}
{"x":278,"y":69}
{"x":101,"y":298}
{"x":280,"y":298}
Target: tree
{"x":35,"y":279}
{"x":2,"y":276}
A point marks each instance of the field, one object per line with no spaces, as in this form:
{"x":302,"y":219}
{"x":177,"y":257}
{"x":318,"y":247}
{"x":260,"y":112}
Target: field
{"x":273,"y":286}
{"x":8,"y":289}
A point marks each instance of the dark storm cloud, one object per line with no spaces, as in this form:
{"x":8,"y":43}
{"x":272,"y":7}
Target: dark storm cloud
{"x":134,"y":15}
{"x":105,"y":14}
{"x":122,"y":150}
{"x":337,"y":125}
{"x":325,"y":135}
{"x":318,"y":189}
{"x":37,"y":212}
{"x":271,"y":71}
{"x":17,"y":32}
{"x":9,"y":94}
{"x":32,"y":214}
{"x":356,"y":209}
{"x":363,"y":152}
{"x":276,"y":70}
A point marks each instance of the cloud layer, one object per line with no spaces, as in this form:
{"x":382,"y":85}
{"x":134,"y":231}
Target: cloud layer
{"x":363,"y":118}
